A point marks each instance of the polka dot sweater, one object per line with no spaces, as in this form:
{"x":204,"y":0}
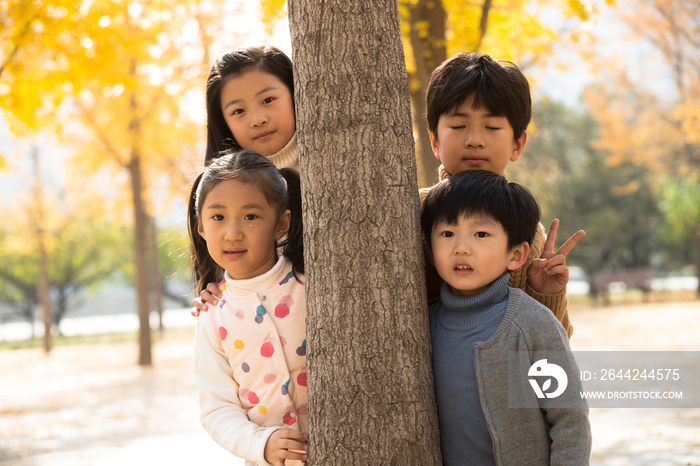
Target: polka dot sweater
{"x":250,"y":362}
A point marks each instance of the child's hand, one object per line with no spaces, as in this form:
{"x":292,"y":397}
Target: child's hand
{"x":281,"y":443}
{"x":549,"y":274}
{"x":210,"y":295}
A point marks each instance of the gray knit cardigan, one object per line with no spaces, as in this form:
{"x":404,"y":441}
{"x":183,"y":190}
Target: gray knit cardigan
{"x":523,"y":436}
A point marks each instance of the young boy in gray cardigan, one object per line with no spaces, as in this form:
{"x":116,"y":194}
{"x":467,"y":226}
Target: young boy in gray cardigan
{"x":478,"y":227}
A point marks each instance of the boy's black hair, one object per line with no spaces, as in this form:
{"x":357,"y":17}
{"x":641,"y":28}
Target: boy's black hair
{"x":482,"y":193}
{"x":498,"y":86}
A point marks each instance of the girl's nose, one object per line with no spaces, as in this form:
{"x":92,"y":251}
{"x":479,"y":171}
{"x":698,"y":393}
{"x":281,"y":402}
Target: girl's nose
{"x":259,"y":119}
{"x":234,"y":233}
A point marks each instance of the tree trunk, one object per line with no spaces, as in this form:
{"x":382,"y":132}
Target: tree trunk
{"x":44,"y":284}
{"x":140,"y":261}
{"x":695,"y":254}
{"x":371,"y":396}
{"x":428,"y":45}
{"x":155,"y":279}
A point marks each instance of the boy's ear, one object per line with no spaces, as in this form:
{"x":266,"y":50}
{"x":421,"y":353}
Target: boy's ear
{"x":518,"y":255}
{"x":283,"y":224}
{"x":518,"y":147}
{"x":434,"y":144}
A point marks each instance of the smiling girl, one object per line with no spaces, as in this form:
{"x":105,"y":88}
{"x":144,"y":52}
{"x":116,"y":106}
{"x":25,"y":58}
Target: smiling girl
{"x":250,"y":105}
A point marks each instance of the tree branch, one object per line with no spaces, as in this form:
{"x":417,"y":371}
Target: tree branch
{"x":18,"y":41}
{"x":483,"y":23}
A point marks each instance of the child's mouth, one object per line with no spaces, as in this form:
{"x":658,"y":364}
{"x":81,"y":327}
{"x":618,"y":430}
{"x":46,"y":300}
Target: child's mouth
{"x":475,"y":160}
{"x":234,"y":253}
{"x":463,"y":269}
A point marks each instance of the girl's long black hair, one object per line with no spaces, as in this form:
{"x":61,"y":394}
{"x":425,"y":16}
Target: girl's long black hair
{"x":233,"y":63}
{"x":281,"y":188}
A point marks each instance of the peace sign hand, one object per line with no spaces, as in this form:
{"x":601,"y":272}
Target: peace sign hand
{"x":549,"y":274}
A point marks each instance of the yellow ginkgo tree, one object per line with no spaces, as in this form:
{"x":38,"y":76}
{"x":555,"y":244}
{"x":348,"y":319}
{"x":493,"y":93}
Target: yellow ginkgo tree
{"x":115,"y":79}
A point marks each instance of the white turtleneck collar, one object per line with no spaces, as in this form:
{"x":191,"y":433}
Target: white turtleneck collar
{"x":261,"y":282}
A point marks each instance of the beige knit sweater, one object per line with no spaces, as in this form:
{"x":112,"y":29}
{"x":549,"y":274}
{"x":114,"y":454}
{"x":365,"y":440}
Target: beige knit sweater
{"x":557,"y":303}
{"x":288,"y":156}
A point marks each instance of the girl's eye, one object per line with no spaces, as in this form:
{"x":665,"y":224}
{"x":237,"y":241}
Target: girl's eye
{"x":268,"y":100}
{"x":238,"y":111}
{"x":250,"y":217}
{"x":217,"y":217}
{"x":447,"y":234}
{"x":481,"y":234}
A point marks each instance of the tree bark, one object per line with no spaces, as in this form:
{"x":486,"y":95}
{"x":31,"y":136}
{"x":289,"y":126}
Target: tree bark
{"x":371,"y":397}
{"x":155,"y":279}
{"x":427,"y":34}
{"x":44,"y":283}
{"x":140,"y":261}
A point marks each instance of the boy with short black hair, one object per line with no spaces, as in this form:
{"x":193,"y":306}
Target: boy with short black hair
{"x":478,"y":110}
{"x":478,"y":227}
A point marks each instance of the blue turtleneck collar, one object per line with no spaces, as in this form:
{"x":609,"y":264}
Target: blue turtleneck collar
{"x":469,"y":311}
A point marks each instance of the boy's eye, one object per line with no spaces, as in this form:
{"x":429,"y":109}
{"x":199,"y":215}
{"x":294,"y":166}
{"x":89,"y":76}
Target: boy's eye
{"x":492,"y":127}
{"x":458,"y":127}
{"x":250,"y":217}
{"x":481,"y":234}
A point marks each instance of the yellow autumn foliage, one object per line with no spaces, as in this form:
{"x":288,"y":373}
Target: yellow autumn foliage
{"x":110,"y":77}
{"x":636,"y":125}
{"x":515,"y":30}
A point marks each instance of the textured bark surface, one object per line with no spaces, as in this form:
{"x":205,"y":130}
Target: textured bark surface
{"x":371,"y":398}
{"x":428,"y":52}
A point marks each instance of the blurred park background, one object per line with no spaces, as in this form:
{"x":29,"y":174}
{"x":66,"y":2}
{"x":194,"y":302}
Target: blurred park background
{"x":102,"y":128}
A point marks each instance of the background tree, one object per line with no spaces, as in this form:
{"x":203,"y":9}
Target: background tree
{"x":114,"y":79}
{"x":432,"y":30}
{"x":371,"y":398}
{"x":90,"y":251}
{"x":84,"y":251}
{"x":19,"y":274}
{"x":639,"y":127}
{"x":680,"y":205}
{"x":615,"y":204}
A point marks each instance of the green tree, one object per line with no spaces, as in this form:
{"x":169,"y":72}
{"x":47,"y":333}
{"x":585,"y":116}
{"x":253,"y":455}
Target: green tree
{"x":19,"y":273}
{"x":83,"y":252}
{"x":614,"y":204}
{"x":680,"y":205}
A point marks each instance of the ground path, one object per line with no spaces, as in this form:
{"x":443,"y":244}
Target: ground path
{"x":653,"y":437}
{"x":91,"y":405}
